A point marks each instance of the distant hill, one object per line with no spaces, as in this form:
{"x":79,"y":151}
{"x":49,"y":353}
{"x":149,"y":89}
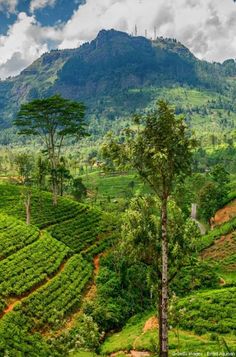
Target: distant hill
{"x":104,"y":72}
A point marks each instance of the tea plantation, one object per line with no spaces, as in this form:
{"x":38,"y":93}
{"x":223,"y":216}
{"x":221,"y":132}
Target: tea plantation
{"x":42,"y":277}
{"x":46,"y":271}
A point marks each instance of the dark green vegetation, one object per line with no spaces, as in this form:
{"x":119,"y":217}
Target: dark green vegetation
{"x":30,"y":266}
{"x":52,"y":120}
{"x":74,"y":233}
{"x":14,"y":235}
{"x":160,"y":150}
{"x":211,"y":311}
{"x":60,"y":296}
{"x":42,"y":280}
{"x":43,"y":214}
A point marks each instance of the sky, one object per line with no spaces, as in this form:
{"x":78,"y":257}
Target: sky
{"x":29,"y":28}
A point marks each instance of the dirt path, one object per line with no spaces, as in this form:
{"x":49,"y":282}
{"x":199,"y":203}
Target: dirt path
{"x":14,"y":301}
{"x":10,"y":307}
{"x":150,"y":324}
{"x":132,"y":353}
{"x":225,"y":214}
{"x":89,"y":294}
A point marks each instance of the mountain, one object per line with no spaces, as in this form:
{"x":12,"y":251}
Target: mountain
{"x":110,"y":74}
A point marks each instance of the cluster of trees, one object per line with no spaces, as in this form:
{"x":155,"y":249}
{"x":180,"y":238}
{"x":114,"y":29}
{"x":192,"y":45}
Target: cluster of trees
{"x":214,"y":193}
{"x":52,"y":120}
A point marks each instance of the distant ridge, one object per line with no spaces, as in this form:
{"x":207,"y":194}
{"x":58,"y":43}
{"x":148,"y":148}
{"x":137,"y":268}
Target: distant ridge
{"x":107,"y":67}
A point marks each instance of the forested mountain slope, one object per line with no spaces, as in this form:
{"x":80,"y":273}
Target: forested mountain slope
{"x":105,"y":72}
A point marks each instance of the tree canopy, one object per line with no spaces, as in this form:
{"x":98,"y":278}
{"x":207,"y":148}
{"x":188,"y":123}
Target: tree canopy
{"x":52,"y":119}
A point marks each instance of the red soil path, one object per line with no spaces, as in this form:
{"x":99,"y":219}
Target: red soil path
{"x":17,"y":300}
{"x":225,"y":214}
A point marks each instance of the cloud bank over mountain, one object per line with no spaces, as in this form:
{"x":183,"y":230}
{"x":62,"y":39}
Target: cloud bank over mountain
{"x":206,"y":27}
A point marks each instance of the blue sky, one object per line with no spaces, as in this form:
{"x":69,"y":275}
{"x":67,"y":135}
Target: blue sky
{"x":28,"y":28}
{"x":48,"y":13}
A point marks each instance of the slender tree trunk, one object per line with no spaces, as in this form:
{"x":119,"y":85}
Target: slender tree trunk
{"x":54,"y":184}
{"x":160,"y":318}
{"x":61,"y":193}
{"x":54,"y":166}
{"x":164,"y":284}
{"x":28,"y":208}
{"x":54,"y":191}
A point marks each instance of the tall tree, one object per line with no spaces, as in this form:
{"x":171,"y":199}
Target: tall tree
{"x":160,"y":150}
{"x":24,"y":165}
{"x":52,"y":119}
{"x":141,"y":240}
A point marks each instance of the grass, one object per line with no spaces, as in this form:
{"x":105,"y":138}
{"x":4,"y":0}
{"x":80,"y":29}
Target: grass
{"x":216,"y":233}
{"x":111,"y":186}
{"x":124,"y":340}
{"x":133,"y":337}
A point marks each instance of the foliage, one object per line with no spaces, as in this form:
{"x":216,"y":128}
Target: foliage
{"x":80,"y":232}
{"x":42,"y":210}
{"x":214,"y":193}
{"x":133,"y":336}
{"x":199,"y":275}
{"x":54,"y":301}
{"x":142,"y":241}
{"x":83,"y":336}
{"x":52,"y":119}
{"x":21,"y":341}
{"x":157,"y":146}
{"x":24,"y":165}
{"x":212,"y":310}
{"x":122,"y":290}
{"x":15,"y":235}
{"x":208,"y":200}
{"x":30,"y":266}
{"x":79,"y":190}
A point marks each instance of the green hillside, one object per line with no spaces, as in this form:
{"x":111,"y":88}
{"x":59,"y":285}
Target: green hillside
{"x":84,"y":276}
{"x":140,"y":335}
{"x":117,"y":74}
{"x":42,"y":280}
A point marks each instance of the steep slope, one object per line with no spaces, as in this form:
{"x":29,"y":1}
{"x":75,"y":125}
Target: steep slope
{"x":102,"y":72}
{"x":43,"y":276}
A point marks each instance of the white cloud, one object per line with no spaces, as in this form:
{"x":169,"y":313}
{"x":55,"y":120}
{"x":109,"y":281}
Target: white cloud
{"x":24,"y":42}
{"x":206,"y":27}
{"x":39,"y":4}
{"x":8,"y":5}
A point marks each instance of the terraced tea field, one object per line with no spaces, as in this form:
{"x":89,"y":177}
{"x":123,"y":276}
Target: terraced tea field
{"x":42,"y":276}
{"x":43,"y":213}
{"x":15,"y":235}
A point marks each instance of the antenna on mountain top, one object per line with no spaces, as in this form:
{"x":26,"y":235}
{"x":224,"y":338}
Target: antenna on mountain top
{"x":155,"y":33}
{"x":146,"y":34}
{"x":135,"y":30}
